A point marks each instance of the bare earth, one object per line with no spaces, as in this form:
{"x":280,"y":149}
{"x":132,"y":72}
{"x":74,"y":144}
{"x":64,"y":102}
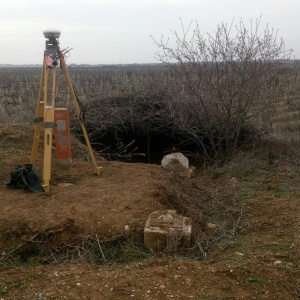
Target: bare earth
{"x":83,"y":210}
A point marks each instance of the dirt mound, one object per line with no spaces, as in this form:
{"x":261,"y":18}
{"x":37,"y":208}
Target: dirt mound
{"x":123,"y":194}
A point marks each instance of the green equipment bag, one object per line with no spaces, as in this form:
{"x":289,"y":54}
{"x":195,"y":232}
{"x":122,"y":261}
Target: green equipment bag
{"x":24,"y":177}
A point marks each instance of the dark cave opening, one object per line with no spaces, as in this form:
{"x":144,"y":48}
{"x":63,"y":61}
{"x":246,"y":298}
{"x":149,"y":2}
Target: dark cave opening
{"x":138,"y":147}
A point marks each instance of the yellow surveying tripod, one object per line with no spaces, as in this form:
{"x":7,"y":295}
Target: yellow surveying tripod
{"x":46,"y":105}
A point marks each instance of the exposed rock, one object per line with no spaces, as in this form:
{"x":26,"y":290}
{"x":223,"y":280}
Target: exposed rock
{"x":65,"y":184}
{"x":239,"y":253}
{"x":172,"y":160}
{"x":166,"y":230}
{"x":212,"y":228}
{"x":178,"y":164}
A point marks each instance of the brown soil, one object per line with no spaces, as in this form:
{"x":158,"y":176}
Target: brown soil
{"x":258,"y":258}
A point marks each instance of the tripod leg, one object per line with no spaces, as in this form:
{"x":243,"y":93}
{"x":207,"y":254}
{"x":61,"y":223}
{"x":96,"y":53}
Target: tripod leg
{"x":48,"y":128}
{"x":77,"y":109}
{"x":39,"y":117}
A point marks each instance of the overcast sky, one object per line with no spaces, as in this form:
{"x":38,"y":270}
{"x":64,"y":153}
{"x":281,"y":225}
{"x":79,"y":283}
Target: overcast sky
{"x":118,"y":31}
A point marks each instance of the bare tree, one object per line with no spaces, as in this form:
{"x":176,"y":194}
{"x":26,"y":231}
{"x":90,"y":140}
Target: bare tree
{"x":223,"y":82}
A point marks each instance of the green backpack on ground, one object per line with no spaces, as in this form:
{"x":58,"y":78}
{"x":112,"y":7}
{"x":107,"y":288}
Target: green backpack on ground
{"x":24,"y":177}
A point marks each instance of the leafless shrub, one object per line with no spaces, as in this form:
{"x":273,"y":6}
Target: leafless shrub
{"x":114,"y":123}
{"x":223,"y":82}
